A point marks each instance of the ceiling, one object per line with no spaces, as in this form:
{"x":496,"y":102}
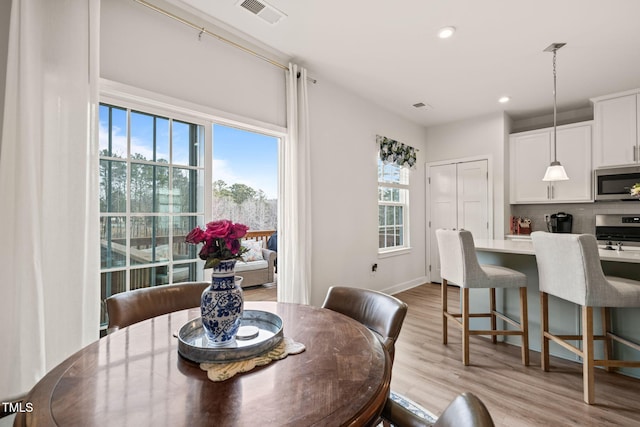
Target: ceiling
{"x":388,"y":51}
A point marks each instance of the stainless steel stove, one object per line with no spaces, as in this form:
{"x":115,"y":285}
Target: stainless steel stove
{"x":617,"y":231}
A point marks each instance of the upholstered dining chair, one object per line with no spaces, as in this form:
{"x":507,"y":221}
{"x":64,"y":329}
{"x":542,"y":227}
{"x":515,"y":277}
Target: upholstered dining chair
{"x":459,"y":266}
{"x":127,"y":308}
{"x":569,"y":268}
{"x":466,"y":410}
{"x":381,"y":313}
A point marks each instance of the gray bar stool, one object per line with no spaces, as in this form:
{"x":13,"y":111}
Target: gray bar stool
{"x":569,"y":268}
{"x":459,"y":266}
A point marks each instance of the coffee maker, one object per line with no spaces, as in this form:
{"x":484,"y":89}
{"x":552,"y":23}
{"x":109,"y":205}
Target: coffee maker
{"x":560,"y":223}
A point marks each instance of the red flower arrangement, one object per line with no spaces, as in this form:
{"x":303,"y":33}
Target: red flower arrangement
{"x":221,"y":241}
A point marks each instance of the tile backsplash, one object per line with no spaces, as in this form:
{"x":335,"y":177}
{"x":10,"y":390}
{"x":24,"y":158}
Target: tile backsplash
{"x":584,"y":214}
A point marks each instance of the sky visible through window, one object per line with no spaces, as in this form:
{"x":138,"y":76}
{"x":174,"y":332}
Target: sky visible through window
{"x":244,"y":157}
{"x":239,"y":156}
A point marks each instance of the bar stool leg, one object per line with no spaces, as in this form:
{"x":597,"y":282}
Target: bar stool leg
{"x":544,"y":326}
{"x":492,"y":310}
{"x":588,"y":363}
{"x":608,"y":345}
{"x":443,"y":293}
{"x":524,"y":326}
{"x":465,"y":326}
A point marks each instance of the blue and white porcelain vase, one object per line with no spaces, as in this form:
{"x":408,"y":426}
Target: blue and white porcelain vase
{"x":222,"y":304}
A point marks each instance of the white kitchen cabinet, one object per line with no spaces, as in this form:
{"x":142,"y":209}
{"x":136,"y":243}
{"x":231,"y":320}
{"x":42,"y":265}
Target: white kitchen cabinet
{"x":616,"y":129}
{"x":530,"y":155}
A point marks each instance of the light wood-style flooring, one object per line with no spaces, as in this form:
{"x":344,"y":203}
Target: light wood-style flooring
{"x":432,"y":374}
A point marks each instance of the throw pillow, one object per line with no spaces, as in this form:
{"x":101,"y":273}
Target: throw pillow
{"x":254,"y":251}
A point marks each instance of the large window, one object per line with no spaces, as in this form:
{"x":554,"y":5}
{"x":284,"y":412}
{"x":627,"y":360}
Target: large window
{"x":393,"y":207}
{"x":151,"y":196}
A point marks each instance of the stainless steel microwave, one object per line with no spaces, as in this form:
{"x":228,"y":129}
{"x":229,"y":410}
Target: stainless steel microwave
{"x":615,"y":183}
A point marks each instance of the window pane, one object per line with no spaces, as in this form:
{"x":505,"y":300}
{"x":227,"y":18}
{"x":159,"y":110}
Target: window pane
{"x":389,"y":237}
{"x":149,"y":188}
{"x":389,"y":218}
{"x":103,"y":134}
{"x":398,"y":236}
{"x":113,"y":131}
{"x":381,"y":237}
{"x":381,"y":210}
{"x":384,"y":194}
{"x":147,"y":277}
{"x":186,"y":189}
{"x":113,"y":242}
{"x":392,"y":173}
{"x":388,"y":172}
{"x":113,"y":186}
{"x":142,"y":132}
{"x":111,"y":283}
{"x":181,"y":227}
{"x":188,"y":144}
{"x":161,"y":152}
{"x":187,"y":272}
{"x":399,"y":215}
{"x":149,"y":239}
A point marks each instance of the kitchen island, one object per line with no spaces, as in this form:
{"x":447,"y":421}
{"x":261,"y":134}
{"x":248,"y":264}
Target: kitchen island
{"x":564,"y":316}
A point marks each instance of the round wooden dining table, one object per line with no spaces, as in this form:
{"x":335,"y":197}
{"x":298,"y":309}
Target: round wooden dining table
{"x":135,"y":377}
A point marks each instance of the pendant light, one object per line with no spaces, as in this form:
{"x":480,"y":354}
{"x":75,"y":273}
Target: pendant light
{"x":555,"y":171}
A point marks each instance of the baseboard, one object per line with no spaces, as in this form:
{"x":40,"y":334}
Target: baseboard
{"x":401,"y":287}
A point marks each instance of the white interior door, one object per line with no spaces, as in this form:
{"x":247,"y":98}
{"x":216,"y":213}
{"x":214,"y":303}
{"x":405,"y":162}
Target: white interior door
{"x":442,"y":209}
{"x":458,"y":198}
{"x":473,"y":198}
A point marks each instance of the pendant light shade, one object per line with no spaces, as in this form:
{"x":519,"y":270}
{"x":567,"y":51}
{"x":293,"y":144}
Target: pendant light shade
{"x":555,"y":171}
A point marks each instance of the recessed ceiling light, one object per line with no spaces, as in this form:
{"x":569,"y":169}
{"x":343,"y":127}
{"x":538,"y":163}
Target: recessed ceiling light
{"x":446,"y":32}
{"x":504,"y":99}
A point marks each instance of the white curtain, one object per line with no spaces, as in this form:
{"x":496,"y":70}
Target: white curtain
{"x":49,"y":209}
{"x":294,"y":228}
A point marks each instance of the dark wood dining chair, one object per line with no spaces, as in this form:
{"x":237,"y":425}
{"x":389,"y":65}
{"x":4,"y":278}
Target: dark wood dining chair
{"x":466,"y":410}
{"x":127,"y":308}
{"x":381,"y":313}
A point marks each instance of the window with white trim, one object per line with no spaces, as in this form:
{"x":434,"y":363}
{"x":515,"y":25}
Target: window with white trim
{"x":151,"y":196}
{"x":393,"y":207}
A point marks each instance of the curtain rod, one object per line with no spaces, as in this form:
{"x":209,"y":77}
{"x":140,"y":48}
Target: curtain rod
{"x":203,"y":30}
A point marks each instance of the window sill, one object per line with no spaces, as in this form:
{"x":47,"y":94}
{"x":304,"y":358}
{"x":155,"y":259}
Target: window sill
{"x":394,"y":252}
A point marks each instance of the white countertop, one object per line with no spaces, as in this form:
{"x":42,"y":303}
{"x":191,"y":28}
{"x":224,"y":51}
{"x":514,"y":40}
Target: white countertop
{"x":525,"y":247}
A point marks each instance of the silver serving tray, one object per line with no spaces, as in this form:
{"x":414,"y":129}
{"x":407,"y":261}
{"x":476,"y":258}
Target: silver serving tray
{"x":194,"y":345}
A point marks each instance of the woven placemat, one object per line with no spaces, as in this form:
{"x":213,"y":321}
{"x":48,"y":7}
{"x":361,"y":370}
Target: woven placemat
{"x":224,"y":371}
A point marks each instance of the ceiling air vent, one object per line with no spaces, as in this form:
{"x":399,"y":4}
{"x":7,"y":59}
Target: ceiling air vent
{"x":422,"y":105}
{"x":263,"y":10}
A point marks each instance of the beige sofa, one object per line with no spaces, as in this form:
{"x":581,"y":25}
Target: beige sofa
{"x":258,"y":272}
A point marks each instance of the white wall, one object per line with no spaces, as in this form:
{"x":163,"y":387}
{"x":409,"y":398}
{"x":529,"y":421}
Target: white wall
{"x":141,"y":48}
{"x":145,"y":49}
{"x":344,"y":198}
{"x":486,"y":135}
